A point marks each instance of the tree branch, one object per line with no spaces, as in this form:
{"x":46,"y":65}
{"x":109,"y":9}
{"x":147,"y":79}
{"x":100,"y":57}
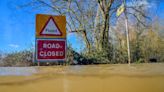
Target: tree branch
{"x":140,"y":12}
{"x":138,"y":19}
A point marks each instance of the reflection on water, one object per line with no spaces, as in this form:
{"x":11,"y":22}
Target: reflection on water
{"x":90,"y":78}
{"x":4,"y":71}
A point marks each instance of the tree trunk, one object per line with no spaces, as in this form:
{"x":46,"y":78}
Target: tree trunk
{"x":86,"y":41}
{"x":104,"y":31}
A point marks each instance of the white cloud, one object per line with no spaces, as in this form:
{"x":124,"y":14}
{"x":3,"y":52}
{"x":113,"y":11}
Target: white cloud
{"x":14,"y":45}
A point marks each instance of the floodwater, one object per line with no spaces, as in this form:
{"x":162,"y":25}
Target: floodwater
{"x":89,"y":78}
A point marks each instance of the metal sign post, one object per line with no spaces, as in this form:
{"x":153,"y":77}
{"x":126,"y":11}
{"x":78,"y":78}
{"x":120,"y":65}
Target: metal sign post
{"x":120,"y":10}
{"x":127,"y":33}
{"x":127,"y":37}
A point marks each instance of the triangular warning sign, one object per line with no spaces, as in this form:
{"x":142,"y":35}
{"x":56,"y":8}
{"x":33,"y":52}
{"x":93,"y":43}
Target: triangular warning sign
{"x":51,"y":28}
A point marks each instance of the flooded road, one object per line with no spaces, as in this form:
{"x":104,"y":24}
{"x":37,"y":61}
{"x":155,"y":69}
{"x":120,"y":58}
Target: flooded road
{"x":89,"y":78}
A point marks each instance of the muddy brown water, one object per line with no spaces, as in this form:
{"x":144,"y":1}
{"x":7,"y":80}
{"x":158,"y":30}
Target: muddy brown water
{"x":89,"y":78}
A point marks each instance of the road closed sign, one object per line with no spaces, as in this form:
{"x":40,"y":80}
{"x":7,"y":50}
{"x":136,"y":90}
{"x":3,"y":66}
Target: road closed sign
{"x":50,"y":49}
{"x":50,"y":38}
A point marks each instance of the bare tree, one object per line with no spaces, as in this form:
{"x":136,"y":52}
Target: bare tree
{"x":91,"y":19}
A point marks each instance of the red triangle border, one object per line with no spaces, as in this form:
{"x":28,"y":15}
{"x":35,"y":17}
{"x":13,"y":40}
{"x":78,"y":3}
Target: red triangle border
{"x":46,"y":25}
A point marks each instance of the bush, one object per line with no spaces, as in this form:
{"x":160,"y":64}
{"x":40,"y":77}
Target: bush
{"x":23,"y":58}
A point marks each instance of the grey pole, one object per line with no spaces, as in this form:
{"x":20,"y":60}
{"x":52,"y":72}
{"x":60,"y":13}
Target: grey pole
{"x":127,"y":33}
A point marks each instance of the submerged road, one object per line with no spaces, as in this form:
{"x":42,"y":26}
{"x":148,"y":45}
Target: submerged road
{"x":89,"y":78}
